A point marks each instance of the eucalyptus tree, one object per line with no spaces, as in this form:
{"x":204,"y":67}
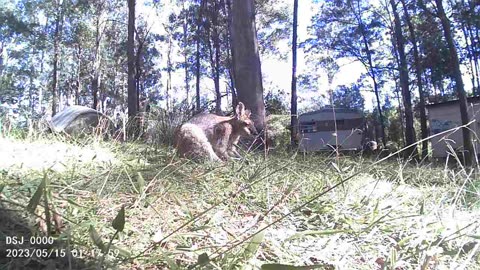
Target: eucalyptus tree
{"x":418,"y":73}
{"x":293,"y":103}
{"x":404,"y":80}
{"x":132,"y":91}
{"x":459,"y":86}
{"x":246,"y":59}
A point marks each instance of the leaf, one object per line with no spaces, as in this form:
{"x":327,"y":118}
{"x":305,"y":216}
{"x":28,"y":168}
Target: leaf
{"x":336,"y":167}
{"x":474,"y":236}
{"x":422,"y":208}
{"x":2,"y":186}
{"x":318,"y":233}
{"x":97,"y":240}
{"x":46,"y":207}
{"x":140,"y":182}
{"x":252,"y":247}
{"x":276,"y":266}
{"x":35,"y":200}
{"x":119,"y":221}
{"x":203,"y":259}
{"x":171,"y":263}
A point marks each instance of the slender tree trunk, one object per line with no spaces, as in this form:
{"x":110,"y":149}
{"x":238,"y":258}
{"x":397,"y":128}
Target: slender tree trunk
{"x":214,"y":55}
{"x":139,"y":71}
{"x":400,"y":112}
{"x":371,"y":71}
{"x":470,"y":56}
{"x":185,"y":52}
{"x":216,"y":45}
{"x":293,"y":102}
{"x":78,"y":87}
{"x":169,"y":71}
{"x":397,"y":87}
{"x":247,"y":68}
{"x":418,"y":73}
{"x":197,"y":74}
{"x":2,"y":46}
{"x":404,"y":85}
{"x":230,"y":54}
{"x":56,"y":52}
{"x":31,"y":102}
{"x":467,"y":141}
{"x":197,"y":56}
{"x":98,"y":58}
{"x":132,"y":91}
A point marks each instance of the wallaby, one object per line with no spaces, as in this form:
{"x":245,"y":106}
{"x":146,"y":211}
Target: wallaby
{"x":214,"y":137}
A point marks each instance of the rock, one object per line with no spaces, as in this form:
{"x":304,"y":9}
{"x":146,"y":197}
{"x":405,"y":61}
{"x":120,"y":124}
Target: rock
{"x":76,"y":120}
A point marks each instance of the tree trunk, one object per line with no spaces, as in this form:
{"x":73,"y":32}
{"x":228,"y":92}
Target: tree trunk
{"x":78,"y":87}
{"x":169,"y":71}
{"x":216,"y":46}
{"x":185,"y":55}
{"x":293,"y":102}
{"x":56,"y":52}
{"x":247,"y":69}
{"x":230,"y":53}
{"x":404,"y":85}
{"x":467,"y":141}
{"x":418,"y":73}
{"x":197,"y":74}
{"x":31,"y":102}
{"x":138,"y":71}
{"x":97,"y":61}
{"x":132,"y":91}
{"x":197,"y":57}
{"x":213,"y":52}
{"x":371,"y":73}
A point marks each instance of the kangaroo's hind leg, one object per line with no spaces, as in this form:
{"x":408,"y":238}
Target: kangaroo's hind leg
{"x":193,"y":143}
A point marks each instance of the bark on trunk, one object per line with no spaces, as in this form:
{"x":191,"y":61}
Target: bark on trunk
{"x":467,"y":141}
{"x":404,"y":85}
{"x":132,"y":91}
{"x":247,"y":69}
{"x":56,"y":52}
{"x":293,"y":102}
{"x":418,"y":73}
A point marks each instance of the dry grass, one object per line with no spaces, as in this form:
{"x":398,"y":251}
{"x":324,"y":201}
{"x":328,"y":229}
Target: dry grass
{"x":243,"y":214}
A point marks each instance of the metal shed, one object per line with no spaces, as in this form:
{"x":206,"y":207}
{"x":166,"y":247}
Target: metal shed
{"x":329,"y":127}
{"x":446,"y":115}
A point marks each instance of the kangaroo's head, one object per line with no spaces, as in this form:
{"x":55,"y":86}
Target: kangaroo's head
{"x":245,"y":125}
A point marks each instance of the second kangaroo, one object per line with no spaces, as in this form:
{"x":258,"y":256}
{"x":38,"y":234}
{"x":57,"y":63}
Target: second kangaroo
{"x":214,"y":137}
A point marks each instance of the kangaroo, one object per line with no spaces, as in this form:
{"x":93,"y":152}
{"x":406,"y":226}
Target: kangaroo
{"x":214,"y":137}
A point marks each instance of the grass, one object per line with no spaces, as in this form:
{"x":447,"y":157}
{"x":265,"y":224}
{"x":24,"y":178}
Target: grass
{"x":286,"y":209}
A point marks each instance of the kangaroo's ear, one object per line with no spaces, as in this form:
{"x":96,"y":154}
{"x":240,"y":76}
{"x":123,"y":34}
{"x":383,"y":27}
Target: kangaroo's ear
{"x":240,"y":110}
{"x":248,"y":113}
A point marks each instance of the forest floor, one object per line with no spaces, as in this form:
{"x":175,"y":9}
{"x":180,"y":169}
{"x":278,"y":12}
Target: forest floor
{"x":274,"y":212}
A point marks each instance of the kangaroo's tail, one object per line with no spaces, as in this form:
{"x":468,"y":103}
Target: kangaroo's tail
{"x":192,"y":142}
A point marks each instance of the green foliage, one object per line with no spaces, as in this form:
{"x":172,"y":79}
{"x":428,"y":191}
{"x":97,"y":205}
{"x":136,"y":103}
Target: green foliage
{"x":275,"y":103}
{"x":348,"y":97}
{"x":119,"y":222}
